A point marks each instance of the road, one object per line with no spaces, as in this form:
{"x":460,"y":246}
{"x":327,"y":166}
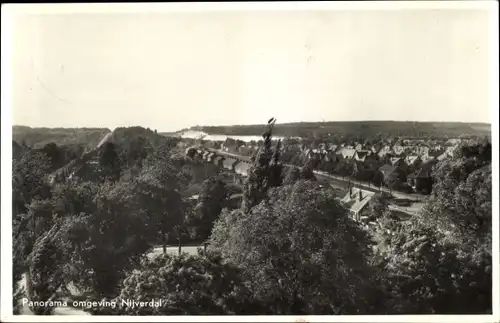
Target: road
{"x":341,"y":182}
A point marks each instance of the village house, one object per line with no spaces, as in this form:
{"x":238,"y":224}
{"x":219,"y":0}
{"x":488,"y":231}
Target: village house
{"x":398,"y":162}
{"x":308,"y":153}
{"x":454,"y":141}
{"x":356,"y":200}
{"x":426,"y":158}
{"x":229,"y":163}
{"x":363,"y":155}
{"x":420,"y":150}
{"x":387,"y":170}
{"x":442,"y":157}
{"x":210,"y":157}
{"x":451,"y":150}
{"x":384,"y":151}
{"x":421,"y":180}
{"x":218,"y":161}
{"x":413,"y":160}
{"x":398,"y":149}
{"x":346,"y":153}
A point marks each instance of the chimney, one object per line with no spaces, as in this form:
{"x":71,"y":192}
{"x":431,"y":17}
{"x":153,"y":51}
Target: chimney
{"x":350,"y":191}
{"x":359,"y":195}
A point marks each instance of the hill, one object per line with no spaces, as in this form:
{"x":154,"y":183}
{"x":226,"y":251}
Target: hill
{"x":367,"y":129}
{"x":39,"y":137}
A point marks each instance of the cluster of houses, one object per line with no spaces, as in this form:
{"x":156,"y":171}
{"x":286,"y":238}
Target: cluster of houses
{"x":411,"y":162}
{"x":412,"y":159}
{"x":236,"y":165}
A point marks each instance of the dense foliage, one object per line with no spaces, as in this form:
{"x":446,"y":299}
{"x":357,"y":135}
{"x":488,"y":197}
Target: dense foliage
{"x":300,"y":252}
{"x":440,"y":262}
{"x":213,"y":198}
{"x":194,"y":285}
{"x":266,"y":172}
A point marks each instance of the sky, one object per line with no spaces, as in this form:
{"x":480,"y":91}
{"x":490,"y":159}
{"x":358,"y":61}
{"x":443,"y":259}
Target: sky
{"x":169,"y":71}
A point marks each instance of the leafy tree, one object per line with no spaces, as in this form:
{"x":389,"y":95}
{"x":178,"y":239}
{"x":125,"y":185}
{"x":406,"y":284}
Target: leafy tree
{"x":440,"y":262}
{"x":377,"y":206}
{"x":307,"y":171}
{"x":264,"y":173}
{"x":276,"y":167}
{"x":299,"y":252}
{"x":27,"y":228}
{"x":45,"y":270}
{"x":292,"y":176}
{"x":109,"y":162}
{"x":55,"y":155}
{"x":159,"y":191}
{"x":344,"y":168}
{"x":212,"y":199}
{"x":187,"y":285}
{"x":191,"y":152}
{"x":73,"y":198}
{"x":426,"y":275}
{"x":461,"y":199}
{"x":19,"y":265}
{"x":29,"y":179}
{"x":378,"y":178}
{"x":106,"y":243}
{"x":395,"y":179}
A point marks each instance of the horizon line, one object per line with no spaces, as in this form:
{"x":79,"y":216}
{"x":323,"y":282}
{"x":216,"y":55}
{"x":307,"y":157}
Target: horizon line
{"x":247,"y":125}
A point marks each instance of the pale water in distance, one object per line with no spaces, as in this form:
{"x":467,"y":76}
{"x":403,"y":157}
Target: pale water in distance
{"x":191,"y":134}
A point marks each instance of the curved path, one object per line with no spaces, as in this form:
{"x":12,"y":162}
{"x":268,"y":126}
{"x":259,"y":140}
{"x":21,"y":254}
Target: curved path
{"x":334,"y":178}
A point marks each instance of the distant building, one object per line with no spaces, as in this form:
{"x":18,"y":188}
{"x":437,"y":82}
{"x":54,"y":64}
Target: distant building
{"x":421,"y":150}
{"x":210,"y":157}
{"x":398,"y":162}
{"x":385,"y":150}
{"x":364,"y":155}
{"x":413,"y":160}
{"x":398,"y":149}
{"x":229,"y":163}
{"x":442,"y":157}
{"x":387,"y":170}
{"x":218,"y":161}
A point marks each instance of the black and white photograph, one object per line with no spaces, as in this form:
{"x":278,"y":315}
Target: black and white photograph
{"x":319,"y":162}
